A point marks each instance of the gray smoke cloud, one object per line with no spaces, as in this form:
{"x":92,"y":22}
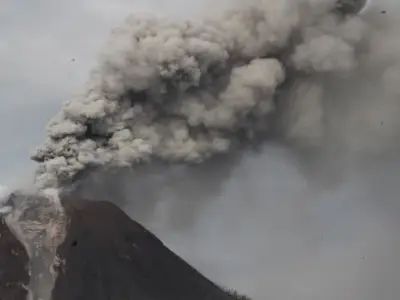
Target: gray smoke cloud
{"x":187,"y":91}
{"x":176,"y":124}
{"x":202,"y":91}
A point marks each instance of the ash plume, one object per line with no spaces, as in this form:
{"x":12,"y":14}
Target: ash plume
{"x":183,"y":92}
{"x":171,"y":105}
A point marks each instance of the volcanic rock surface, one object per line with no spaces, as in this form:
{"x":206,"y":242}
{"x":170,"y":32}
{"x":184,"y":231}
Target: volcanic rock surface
{"x":107,"y":256}
{"x":14,"y":271}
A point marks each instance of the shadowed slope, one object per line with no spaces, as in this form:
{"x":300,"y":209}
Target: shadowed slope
{"x":106,"y":255}
{"x":14,"y":275}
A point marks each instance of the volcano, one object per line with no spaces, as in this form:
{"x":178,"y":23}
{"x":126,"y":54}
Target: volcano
{"x":106,"y":255}
{"x":14,"y":261}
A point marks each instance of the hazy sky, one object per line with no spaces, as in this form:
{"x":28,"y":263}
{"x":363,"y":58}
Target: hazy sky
{"x":284,"y":242}
{"x":46,"y":50}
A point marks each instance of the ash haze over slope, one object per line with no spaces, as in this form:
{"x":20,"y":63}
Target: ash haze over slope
{"x":316,"y":220}
{"x":185,"y":91}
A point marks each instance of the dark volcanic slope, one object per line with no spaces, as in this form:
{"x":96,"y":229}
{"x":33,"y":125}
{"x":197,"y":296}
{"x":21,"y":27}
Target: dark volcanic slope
{"x":14,"y":276}
{"x":108,"y":256}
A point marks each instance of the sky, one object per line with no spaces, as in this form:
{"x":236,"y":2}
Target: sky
{"x":285,"y":242}
{"x":46,"y":51}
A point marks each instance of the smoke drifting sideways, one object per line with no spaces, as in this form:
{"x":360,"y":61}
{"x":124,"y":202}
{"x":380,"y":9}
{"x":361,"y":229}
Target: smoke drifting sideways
{"x":173,"y":107}
{"x":192,"y":94}
{"x":184,"y":92}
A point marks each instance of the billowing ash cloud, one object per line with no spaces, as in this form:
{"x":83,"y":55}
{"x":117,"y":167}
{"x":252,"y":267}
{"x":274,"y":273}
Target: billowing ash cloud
{"x":183,"y":92}
{"x":186,"y":91}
